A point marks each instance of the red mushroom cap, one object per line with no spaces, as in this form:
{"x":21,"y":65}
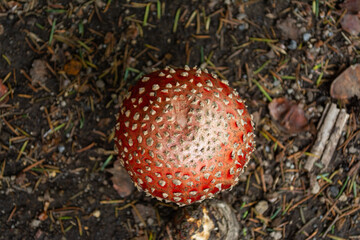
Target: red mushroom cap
{"x":183,"y":135}
{"x":3,"y":91}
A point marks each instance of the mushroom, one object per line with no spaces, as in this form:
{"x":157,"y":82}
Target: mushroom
{"x":209,"y":220}
{"x":3,"y":93}
{"x":183,"y":135}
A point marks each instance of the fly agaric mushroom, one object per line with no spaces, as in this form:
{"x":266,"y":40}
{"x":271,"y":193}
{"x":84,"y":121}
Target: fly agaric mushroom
{"x":183,"y":135}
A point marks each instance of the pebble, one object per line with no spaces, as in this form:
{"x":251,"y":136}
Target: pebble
{"x":310,"y":96}
{"x":150,"y":221}
{"x":287,"y":164}
{"x":343,"y":198}
{"x":315,"y":188}
{"x":100,"y":83}
{"x":295,"y":148}
{"x":241,"y":16}
{"x":267,"y":149}
{"x":96,"y":213}
{"x":61,"y":148}
{"x":272,"y":197}
{"x":243,"y":26}
{"x":333,"y":191}
{"x":35,"y":223}
{"x":261,"y":207}
{"x":352,"y":150}
{"x":292,"y":45}
{"x":276,"y":235}
{"x":306,"y":37}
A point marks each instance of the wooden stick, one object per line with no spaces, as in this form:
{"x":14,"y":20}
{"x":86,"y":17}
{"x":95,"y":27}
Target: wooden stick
{"x":323,"y":136}
{"x":334,"y":138}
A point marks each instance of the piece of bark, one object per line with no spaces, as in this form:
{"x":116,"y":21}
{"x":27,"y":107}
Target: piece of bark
{"x":335,"y":136}
{"x":289,"y":115}
{"x":347,"y":84}
{"x":322,"y":136}
{"x":351,"y":5}
{"x":122,"y":182}
{"x":351,"y":23}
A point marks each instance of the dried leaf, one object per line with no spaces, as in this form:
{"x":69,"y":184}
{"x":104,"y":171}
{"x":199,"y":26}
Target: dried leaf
{"x":121,"y":180}
{"x":351,"y":5}
{"x":347,"y":84}
{"x":288,"y":28}
{"x":73,"y":67}
{"x":39,"y":72}
{"x":43,"y":216}
{"x":131,"y":32}
{"x":351,"y":23}
{"x":289,"y":115}
{"x":3,"y":91}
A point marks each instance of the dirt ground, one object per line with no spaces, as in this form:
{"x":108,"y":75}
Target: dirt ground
{"x":65,"y":64}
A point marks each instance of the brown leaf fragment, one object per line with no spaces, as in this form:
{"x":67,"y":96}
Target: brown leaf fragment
{"x":73,"y":67}
{"x":351,"y":5}
{"x":3,"y":91}
{"x":288,"y":115}
{"x":121,"y":180}
{"x":39,"y":72}
{"x":21,"y":179}
{"x":347,"y":84}
{"x":131,"y":32}
{"x":288,"y":28}
{"x":110,"y":41}
{"x":351,"y":23}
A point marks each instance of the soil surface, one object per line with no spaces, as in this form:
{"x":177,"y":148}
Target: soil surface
{"x":65,"y":65}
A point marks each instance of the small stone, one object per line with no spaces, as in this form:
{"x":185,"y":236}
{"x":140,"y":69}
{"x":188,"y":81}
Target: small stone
{"x":306,"y":37}
{"x":310,"y":96}
{"x":333,"y":191}
{"x":261,"y":207}
{"x":352,"y":150}
{"x":315,"y":188}
{"x":150,"y":221}
{"x":292,"y":45}
{"x":35,"y":223}
{"x":287,"y":164}
{"x":96,"y":213}
{"x":276,"y":235}
{"x":100,"y":84}
{"x":243,"y":26}
{"x":343,"y":198}
{"x":295,"y":148}
{"x":61,"y":148}
{"x":272,"y":197}
{"x":241,"y":16}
